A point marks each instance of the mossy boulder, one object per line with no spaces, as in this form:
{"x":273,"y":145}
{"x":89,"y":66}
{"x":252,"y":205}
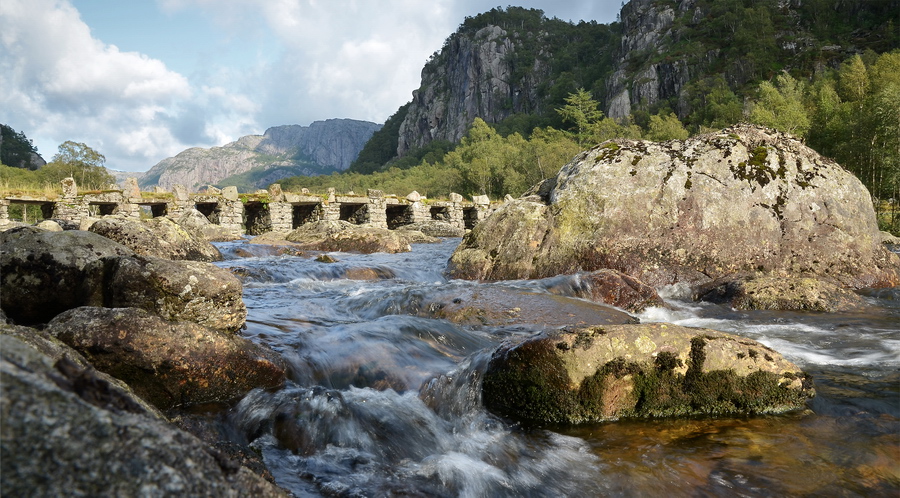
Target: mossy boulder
{"x":745,"y":199}
{"x":159,"y":237}
{"x":773,"y":292}
{"x":595,"y":374}
{"x":168,"y":363}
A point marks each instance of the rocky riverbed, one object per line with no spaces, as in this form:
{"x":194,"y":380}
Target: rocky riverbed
{"x":582,"y":340}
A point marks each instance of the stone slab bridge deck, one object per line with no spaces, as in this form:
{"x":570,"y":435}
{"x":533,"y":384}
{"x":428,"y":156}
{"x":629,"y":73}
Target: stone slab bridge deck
{"x":253,"y":214}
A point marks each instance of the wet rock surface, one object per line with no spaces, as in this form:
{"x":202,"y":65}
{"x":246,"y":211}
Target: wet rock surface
{"x":746,"y":199}
{"x":175,"y":290}
{"x":593,"y":374}
{"x":168,"y":363}
{"x":768,"y":292}
{"x":41,"y":272}
{"x":159,"y":237}
{"x":494,"y":306}
{"x":67,"y":432}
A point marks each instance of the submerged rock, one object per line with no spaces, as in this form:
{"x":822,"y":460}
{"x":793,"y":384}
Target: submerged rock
{"x":604,"y":373}
{"x":159,"y":237}
{"x":745,"y":199}
{"x":66,"y":432}
{"x":168,"y":363}
{"x":41,"y":272}
{"x":496,"y":305}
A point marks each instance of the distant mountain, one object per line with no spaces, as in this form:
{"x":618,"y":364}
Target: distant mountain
{"x":255,"y":161}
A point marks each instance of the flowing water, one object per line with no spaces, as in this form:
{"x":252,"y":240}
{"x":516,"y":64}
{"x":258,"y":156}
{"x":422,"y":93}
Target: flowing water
{"x":384,"y":400}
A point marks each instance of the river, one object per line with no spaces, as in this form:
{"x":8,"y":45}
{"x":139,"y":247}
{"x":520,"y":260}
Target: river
{"x":383,"y":400}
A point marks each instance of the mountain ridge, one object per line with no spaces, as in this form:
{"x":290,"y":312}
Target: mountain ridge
{"x":321,"y":148}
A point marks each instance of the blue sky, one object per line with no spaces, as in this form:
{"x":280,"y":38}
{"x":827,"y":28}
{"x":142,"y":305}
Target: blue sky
{"x":142,"y":80}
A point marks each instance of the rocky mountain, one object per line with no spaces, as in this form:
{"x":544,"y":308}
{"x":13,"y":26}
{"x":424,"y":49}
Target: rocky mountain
{"x":255,"y":161}
{"x":663,"y":54}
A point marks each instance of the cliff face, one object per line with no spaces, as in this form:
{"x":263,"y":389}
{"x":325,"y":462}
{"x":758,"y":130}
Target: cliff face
{"x":662,"y":53}
{"x":322,"y":147}
{"x":474,"y":76}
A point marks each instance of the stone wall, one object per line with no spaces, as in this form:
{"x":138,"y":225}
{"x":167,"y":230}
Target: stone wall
{"x":253,"y":214}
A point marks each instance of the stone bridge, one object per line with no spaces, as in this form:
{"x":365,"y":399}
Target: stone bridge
{"x":253,"y":214}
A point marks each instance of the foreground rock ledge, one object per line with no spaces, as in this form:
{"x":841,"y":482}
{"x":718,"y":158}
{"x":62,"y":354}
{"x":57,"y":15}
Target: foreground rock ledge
{"x":606,"y":373}
{"x":168,"y":363}
{"x":68,"y":432}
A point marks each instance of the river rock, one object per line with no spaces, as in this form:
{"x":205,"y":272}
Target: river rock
{"x":771,"y":292}
{"x":41,"y":272}
{"x":168,"y":363}
{"x":623,"y":291}
{"x":67,"y":433}
{"x":435,"y":228}
{"x":175,"y":290}
{"x":198,"y":225}
{"x":343,"y":236}
{"x":745,"y":199}
{"x":159,"y":237}
{"x":593,"y":374}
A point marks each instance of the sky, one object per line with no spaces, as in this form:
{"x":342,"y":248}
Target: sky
{"x":142,"y":80}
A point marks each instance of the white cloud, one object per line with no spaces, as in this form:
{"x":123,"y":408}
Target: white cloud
{"x":66,"y":85}
{"x":260,"y":64}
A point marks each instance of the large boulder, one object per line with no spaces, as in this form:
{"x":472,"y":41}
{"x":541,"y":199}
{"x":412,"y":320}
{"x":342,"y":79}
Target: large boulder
{"x":41,"y":272}
{"x":168,"y":363}
{"x":611,"y":372}
{"x":746,"y":199}
{"x":159,"y":237}
{"x":175,"y":290}
{"x":67,"y":432}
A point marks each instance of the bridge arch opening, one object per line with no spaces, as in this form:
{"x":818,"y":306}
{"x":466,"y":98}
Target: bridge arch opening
{"x":399,"y":215}
{"x":29,"y":211}
{"x":440,"y":213}
{"x":257,"y":218}
{"x":354,"y":213}
{"x":209,"y":209}
{"x":470,"y":217}
{"x":306,"y":212}
{"x":103,"y":208}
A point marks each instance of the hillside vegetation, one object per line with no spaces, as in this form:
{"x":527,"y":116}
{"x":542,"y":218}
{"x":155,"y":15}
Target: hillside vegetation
{"x":827,"y":72}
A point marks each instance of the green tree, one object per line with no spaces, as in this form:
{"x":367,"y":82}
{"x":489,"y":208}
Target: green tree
{"x":80,"y":162}
{"x":780,"y":106}
{"x":583,"y":112}
{"x":17,"y":150}
{"x":665,"y":127}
